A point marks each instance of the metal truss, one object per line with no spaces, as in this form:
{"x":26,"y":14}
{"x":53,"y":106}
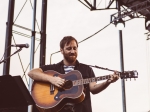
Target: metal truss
{"x":23,"y":34}
{"x":127,"y":13}
{"x":131,"y":12}
{"x":98,"y":4}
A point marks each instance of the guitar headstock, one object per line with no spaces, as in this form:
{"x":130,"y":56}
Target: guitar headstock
{"x":129,"y":74}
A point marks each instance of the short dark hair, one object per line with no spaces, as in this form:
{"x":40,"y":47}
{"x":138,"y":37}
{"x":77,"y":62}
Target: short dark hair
{"x":67,"y":40}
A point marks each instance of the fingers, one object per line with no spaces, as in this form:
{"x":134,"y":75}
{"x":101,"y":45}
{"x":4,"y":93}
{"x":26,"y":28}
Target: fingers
{"x":60,"y":84}
{"x":114,"y":78}
{"x":57,"y":81}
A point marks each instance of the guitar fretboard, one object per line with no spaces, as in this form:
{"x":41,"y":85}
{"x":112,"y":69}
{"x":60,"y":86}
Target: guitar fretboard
{"x":88,"y":80}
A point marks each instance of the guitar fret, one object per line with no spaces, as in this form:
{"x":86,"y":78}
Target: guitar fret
{"x":93,"y":80}
{"x":103,"y":77}
{"x":77,"y":82}
{"x":98,"y":78}
{"x":90,"y":80}
{"x":86,"y":81}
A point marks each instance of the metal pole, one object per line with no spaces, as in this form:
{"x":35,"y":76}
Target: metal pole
{"x":30,"y":107}
{"x":6,"y":64}
{"x":122,"y":64}
{"x":43,"y":33}
{"x":122,"y":70}
{"x":94,"y":3}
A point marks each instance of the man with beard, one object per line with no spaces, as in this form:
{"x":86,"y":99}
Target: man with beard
{"x":69,"y":50}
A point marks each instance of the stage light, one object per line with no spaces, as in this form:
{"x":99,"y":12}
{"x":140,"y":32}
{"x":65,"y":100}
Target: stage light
{"x":120,"y":24}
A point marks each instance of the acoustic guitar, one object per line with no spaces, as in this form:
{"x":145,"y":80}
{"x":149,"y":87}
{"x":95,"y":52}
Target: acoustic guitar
{"x":49,"y":98}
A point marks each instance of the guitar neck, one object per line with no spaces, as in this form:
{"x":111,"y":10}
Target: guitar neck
{"x":89,"y":80}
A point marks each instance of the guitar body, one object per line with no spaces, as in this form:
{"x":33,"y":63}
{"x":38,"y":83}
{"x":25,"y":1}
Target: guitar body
{"x":48,"y":101}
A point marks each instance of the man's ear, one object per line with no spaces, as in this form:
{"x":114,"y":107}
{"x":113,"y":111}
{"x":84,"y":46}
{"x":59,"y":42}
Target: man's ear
{"x":61,"y":51}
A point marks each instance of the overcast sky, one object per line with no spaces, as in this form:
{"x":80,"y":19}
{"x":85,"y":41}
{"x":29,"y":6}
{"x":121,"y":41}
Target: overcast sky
{"x":70,"y":17}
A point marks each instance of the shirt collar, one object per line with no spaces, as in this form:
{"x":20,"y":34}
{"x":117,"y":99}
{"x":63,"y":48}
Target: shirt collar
{"x":77,"y":63}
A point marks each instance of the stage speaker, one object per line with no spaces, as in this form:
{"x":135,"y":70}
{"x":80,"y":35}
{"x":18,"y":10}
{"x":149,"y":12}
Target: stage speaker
{"x":14,"y":96}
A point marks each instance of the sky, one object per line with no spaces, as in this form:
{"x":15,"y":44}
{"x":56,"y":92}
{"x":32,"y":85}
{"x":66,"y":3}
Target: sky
{"x":70,"y":17}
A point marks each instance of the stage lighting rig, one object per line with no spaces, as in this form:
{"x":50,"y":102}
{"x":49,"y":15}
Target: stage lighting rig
{"x":131,"y":13}
{"x":131,"y":9}
{"x":120,"y":24}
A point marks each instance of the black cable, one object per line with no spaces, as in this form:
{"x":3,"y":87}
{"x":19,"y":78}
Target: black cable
{"x":83,"y":39}
{"x":94,"y":33}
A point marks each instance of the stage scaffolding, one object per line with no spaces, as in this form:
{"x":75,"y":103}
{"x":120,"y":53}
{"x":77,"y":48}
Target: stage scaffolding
{"x":129,"y":11}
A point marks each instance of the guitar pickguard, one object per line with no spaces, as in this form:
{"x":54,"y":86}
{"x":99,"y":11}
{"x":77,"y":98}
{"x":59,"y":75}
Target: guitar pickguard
{"x":71,"y":91}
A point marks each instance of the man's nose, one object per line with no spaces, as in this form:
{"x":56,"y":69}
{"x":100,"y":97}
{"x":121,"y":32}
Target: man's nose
{"x":72,"y":50}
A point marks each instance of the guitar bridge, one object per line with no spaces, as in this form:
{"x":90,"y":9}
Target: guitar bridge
{"x":52,"y":89}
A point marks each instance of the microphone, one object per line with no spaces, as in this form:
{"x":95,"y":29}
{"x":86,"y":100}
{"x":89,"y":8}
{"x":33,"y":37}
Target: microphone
{"x":21,"y":45}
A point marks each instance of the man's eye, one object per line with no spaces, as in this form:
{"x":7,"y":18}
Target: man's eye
{"x":74,"y":48}
{"x":68,"y":48}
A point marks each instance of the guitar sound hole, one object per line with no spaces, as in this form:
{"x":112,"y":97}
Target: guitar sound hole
{"x":68,"y":84}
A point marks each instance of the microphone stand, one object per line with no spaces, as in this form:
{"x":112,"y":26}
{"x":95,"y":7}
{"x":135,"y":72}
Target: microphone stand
{"x":5,"y":60}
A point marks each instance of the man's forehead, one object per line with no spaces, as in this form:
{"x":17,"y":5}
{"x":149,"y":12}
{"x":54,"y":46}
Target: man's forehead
{"x":72,"y":43}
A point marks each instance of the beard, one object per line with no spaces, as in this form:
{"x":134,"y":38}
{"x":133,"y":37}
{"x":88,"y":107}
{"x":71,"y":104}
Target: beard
{"x":70,"y":57}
